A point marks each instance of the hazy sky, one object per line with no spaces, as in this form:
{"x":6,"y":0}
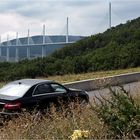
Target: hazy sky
{"x":86,"y":17}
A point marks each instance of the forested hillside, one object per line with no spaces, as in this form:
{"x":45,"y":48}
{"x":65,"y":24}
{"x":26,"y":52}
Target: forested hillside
{"x":118,"y":47}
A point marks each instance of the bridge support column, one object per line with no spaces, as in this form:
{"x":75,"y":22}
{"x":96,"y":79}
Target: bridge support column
{"x":43,"y":42}
{"x":7,"y":49}
{"x":43,"y":39}
{"x":43,"y":51}
{"x":17,"y":43}
{"x":0,"y":51}
{"x":28,"y":47}
{"x":28,"y":52}
{"x":0,"y":47}
{"x":17,"y":54}
{"x":109,"y":15}
{"x":67,"y":31}
{"x":7,"y":54}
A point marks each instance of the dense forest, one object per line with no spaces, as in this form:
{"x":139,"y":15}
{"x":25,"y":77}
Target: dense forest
{"x":116,"y":48}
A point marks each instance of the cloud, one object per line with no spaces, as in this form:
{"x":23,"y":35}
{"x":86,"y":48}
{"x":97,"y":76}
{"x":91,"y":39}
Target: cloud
{"x":86,"y":17}
{"x":12,"y":23}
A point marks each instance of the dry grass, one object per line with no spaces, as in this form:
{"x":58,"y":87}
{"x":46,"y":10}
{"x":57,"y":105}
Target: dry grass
{"x":91,"y":75}
{"x":55,"y":126}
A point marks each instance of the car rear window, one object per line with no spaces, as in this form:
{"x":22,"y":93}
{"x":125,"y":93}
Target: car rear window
{"x":16,"y":90}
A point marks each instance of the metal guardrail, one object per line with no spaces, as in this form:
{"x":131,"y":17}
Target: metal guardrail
{"x":92,"y":84}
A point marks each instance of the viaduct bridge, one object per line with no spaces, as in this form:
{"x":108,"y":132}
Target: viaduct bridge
{"x":29,"y":48}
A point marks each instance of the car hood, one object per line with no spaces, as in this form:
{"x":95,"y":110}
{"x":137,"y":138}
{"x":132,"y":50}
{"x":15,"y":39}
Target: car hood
{"x":72,"y":89}
{"x":80,"y":93}
{"x":77,"y":91}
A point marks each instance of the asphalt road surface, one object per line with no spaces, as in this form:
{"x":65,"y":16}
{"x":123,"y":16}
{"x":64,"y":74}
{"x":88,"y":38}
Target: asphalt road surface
{"x":133,"y":88}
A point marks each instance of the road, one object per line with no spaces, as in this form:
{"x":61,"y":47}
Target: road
{"x":134,"y":89}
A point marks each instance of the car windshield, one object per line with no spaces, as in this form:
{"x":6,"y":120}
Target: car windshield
{"x":16,"y":90}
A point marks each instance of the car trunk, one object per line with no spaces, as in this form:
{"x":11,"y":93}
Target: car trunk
{"x":5,"y":99}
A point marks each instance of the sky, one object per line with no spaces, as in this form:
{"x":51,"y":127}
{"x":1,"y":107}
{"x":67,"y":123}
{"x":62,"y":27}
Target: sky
{"x":86,"y":17}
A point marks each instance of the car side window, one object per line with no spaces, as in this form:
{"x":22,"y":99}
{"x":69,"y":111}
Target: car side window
{"x":58,"y":88}
{"x":42,"y":89}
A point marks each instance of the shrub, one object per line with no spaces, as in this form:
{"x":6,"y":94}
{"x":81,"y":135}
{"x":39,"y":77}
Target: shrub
{"x":120,"y":113}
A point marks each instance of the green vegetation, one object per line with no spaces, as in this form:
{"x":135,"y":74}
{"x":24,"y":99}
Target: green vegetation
{"x":114,"y":117}
{"x":116,"y":48}
{"x":121,"y":114}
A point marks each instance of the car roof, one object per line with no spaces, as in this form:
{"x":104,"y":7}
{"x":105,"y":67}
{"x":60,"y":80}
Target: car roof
{"x":30,"y":82}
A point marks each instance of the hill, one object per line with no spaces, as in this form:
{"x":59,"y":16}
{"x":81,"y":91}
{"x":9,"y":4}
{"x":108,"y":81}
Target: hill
{"x":118,"y":47}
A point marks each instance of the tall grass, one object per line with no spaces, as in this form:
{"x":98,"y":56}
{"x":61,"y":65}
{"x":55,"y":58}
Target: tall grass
{"x":56,"y":125}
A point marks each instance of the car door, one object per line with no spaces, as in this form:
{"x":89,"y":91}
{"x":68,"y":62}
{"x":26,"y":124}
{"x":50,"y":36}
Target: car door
{"x":43,"y":95}
{"x":60,"y":94}
{"x":49,"y":94}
